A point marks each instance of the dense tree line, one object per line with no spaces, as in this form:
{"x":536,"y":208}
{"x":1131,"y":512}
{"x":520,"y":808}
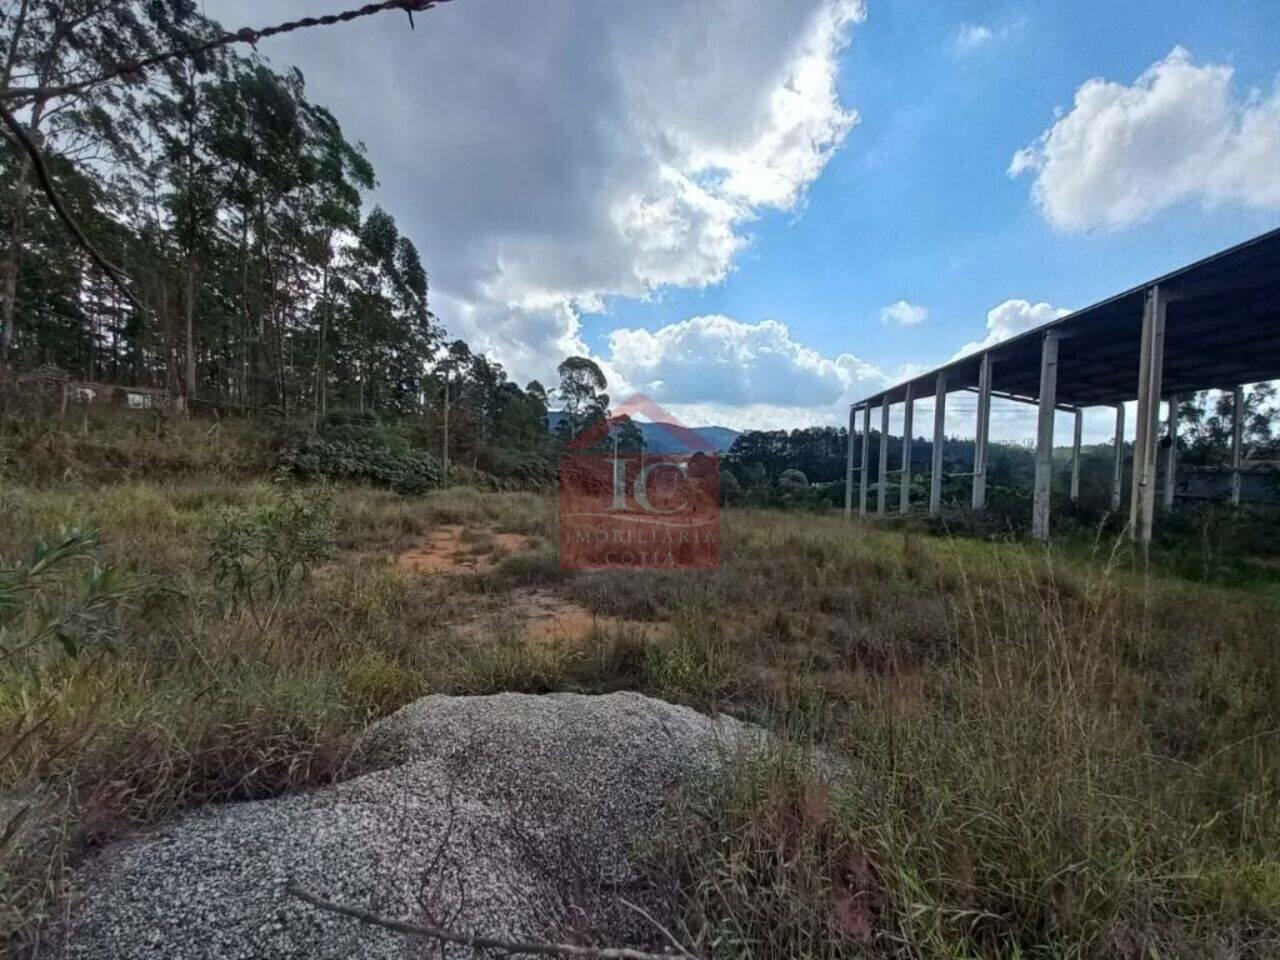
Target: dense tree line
{"x":250,"y":273}
{"x":230,"y":202}
{"x":234,"y":209}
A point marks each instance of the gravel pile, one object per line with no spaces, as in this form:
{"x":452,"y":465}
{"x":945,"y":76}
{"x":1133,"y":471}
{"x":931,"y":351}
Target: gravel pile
{"x":510,"y":815}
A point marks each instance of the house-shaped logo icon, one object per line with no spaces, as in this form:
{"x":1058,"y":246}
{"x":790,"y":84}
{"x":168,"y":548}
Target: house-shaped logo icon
{"x":631,"y":509}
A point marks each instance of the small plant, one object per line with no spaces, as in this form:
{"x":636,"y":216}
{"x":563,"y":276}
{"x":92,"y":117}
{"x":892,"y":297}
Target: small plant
{"x":40,"y":603}
{"x":695,"y":662}
{"x":258,"y":554}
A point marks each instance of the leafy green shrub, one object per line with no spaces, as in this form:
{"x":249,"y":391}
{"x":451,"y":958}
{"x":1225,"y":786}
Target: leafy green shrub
{"x":518,"y":469}
{"x":40,"y":603}
{"x":257,"y":554}
{"x":793,"y":481}
{"x":366,"y":457}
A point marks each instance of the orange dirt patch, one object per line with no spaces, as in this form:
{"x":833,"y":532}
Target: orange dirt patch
{"x":447,"y":550}
{"x":541,"y":617}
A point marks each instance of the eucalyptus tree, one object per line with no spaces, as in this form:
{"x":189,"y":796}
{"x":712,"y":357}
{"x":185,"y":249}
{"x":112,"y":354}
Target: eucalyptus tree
{"x":50,"y":43}
{"x":582,"y":386}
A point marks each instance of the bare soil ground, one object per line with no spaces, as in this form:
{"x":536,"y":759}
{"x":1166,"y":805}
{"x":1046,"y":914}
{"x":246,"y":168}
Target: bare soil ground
{"x":530,"y":614}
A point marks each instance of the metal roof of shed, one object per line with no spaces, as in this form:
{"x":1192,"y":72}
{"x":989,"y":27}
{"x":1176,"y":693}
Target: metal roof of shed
{"x":1222,"y":330}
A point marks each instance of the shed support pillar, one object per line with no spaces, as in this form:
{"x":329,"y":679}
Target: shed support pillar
{"x":982,"y":440}
{"x":1044,"y":436}
{"x":1150,"y":376}
{"x":1170,"y":456}
{"x":848,"y":468}
{"x":882,"y":488}
{"x":1237,"y":443}
{"x":866,"y":460}
{"x":1075,"y":455}
{"x":939,"y":438}
{"x":1117,"y":477}
{"x":904,"y":495}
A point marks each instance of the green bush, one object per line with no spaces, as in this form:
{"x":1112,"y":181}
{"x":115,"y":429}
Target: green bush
{"x":257,"y":554}
{"x":518,"y":469}
{"x":369,"y":456}
{"x":42,"y":603}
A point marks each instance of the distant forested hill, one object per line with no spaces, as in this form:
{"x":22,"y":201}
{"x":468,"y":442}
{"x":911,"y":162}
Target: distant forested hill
{"x":658,"y":438}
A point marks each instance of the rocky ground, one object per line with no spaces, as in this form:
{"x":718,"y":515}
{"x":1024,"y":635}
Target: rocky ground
{"x":510,"y":815}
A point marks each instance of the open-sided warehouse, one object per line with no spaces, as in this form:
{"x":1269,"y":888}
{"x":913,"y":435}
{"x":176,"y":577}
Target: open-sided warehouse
{"x":1212,"y":325}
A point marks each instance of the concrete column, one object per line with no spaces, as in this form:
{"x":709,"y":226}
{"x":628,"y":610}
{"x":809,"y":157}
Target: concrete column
{"x":883,"y":486}
{"x":982,"y":439}
{"x":1156,"y":387}
{"x":848,"y":468}
{"x":1150,"y":375}
{"x":866,"y":460}
{"x":1044,"y":436}
{"x":1141,"y":419}
{"x":1117,"y":478}
{"x":1075,"y":455}
{"x":1171,"y":455}
{"x":939,"y":438}
{"x":904,"y":496}
{"x":1237,"y":443}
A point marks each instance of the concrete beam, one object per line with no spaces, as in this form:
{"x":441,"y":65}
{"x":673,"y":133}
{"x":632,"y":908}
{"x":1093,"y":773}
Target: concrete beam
{"x":982,"y":439}
{"x":1237,"y":442}
{"x":939,"y":438}
{"x":882,"y":494}
{"x":866,"y":460}
{"x":1075,"y":455}
{"x":1044,"y":436}
{"x":848,"y":468}
{"x":1117,"y":477}
{"x":904,"y":494}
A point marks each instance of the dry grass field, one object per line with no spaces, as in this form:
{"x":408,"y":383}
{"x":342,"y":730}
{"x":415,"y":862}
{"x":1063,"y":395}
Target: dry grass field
{"x":1020,"y":753}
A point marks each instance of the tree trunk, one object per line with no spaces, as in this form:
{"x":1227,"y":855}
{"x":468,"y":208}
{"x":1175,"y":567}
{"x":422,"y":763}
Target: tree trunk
{"x":444,"y":473}
{"x":13,"y":251}
{"x":190,"y":279}
{"x":318,"y":414}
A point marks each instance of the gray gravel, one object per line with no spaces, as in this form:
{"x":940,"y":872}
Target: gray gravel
{"x":510,"y":815}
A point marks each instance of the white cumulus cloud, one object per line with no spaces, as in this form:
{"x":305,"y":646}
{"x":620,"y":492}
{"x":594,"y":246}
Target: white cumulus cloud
{"x":1179,"y":133}
{"x":717,"y":369}
{"x":1010,"y":319}
{"x":904,"y":314}
{"x":546,"y":156}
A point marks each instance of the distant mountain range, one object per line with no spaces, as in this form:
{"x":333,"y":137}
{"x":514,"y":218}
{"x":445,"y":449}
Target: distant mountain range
{"x":661,"y":438}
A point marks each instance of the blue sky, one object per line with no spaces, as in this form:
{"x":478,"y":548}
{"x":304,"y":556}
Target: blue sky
{"x":722,"y":201}
{"x":917,"y":204}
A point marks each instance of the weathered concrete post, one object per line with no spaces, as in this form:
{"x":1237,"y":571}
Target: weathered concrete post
{"x":1171,"y":455}
{"x":982,"y":441}
{"x":883,"y":486}
{"x":848,"y":469}
{"x":939,"y":438}
{"x":1150,"y":377}
{"x":866,"y":460}
{"x":1075,"y":456}
{"x":1117,"y":478}
{"x":1044,"y":436}
{"x":1237,"y":443}
{"x":904,"y":496}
